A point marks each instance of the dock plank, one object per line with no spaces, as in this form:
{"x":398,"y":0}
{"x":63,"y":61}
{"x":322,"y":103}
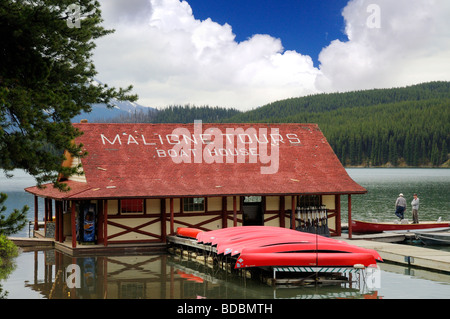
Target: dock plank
{"x":410,"y":255}
{"x":32,"y":241}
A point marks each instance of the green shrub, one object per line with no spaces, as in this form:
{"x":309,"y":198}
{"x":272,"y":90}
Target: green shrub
{"x":7,"y":248}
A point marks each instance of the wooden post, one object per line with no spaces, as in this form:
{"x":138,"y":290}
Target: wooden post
{"x":50,"y":210}
{"x":349,"y":216}
{"x":264,"y":205}
{"x":45,"y":210}
{"x":337,"y":208}
{"x":282,"y":215}
{"x":163,"y":219}
{"x":234,"y":212}
{"x":293,"y":206}
{"x":74,"y":231}
{"x":45,"y":215}
{"x":56,"y":222}
{"x":61,"y":222}
{"x":36,"y":221}
{"x":105,"y":222}
{"x":172,"y":231}
{"x":224,"y":212}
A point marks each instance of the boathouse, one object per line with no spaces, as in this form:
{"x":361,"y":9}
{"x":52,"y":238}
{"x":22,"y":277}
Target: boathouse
{"x":139,"y":182}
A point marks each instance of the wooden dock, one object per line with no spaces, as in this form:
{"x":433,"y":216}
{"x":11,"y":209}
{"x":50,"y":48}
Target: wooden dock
{"x":274,"y":276}
{"x":33,"y":242}
{"x":408,"y":255}
{"x":39,"y":241}
{"x":392,"y":248}
{"x":388,"y":246}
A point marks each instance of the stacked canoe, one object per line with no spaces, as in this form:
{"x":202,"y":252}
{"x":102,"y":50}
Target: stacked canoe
{"x":266,"y":246}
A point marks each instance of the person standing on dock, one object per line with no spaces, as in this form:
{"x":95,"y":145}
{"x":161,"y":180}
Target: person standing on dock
{"x":415,"y":209}
{"x":400,"y":206}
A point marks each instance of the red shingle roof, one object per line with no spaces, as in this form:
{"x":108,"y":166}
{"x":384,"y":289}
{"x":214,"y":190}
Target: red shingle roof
{"x":136,"y":160}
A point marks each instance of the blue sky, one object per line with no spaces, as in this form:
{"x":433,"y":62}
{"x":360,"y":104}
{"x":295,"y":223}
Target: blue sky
{"x":302,"y":25}
{"x":247,"y":53}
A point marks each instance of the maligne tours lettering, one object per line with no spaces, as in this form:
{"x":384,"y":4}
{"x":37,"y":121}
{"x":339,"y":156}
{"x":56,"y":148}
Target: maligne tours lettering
{"x":205,"y":139}
{"x":212,"y":145}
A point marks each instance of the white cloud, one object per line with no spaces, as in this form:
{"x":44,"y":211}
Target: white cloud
{"x":411,"y":45}
{"x":173,"y":58}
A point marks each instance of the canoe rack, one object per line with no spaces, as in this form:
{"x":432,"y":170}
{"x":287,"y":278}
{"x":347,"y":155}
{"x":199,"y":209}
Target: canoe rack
{"x":220,"y":265}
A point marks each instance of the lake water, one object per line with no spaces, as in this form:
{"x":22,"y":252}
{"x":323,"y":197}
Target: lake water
{"x":40,"y":274}
{"x":385,"y":184}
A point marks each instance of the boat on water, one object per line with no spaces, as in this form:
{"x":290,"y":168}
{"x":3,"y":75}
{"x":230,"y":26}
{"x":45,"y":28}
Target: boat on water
{"x":364,"y":227}
{"x":434,"y":238}
{"x":266,"y":246}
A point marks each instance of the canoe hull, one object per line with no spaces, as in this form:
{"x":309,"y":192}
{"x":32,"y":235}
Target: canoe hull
{"x":304,"y":259}
{"x":188,"y":232}
{"x":310,"y":246}
{"x":373,"y":228}
{"x":266,"y":246}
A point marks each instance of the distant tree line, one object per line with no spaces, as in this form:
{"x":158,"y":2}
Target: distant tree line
{"x":384,"y":127}
{"x":176,"y":114}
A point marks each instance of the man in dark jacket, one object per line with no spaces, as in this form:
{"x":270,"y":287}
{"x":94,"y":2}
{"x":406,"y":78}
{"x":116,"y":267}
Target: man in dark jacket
{"x":400,"y":206}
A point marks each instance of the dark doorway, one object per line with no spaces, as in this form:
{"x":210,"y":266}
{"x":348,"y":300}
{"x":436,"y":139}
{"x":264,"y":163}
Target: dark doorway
{"x":252,"y":211}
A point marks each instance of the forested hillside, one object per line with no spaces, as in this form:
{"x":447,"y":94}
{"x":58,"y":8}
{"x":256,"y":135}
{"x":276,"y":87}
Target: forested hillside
{"x":385,"y":127}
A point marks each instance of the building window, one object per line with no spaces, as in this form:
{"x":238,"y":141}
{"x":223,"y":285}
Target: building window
{"x":132,"y":206}
{"x":309,"y":201}
{"x":194,"y":204}
{"x":252,"y":199}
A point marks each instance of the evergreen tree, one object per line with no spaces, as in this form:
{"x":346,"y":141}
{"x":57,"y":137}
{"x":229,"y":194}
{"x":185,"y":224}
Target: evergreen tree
{"x":47,"y":78}
{"x":444,"y":152}
{"x":435,"y":154}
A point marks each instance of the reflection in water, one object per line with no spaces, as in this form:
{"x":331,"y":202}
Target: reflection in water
{"x":58,"y":276}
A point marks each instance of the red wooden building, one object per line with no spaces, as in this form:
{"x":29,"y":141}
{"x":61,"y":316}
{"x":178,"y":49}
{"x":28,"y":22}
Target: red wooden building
{"x":139,"y":182}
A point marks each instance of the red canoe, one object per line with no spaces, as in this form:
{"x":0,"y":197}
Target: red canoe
{"x":218,"y":234}
{"x":235,"y":247}
{"x":304,"y":259}
{"x":277,"y":240}
{"x":379,"y":227}
{"x":188,"y":232}
{"x":258,"y":238}
{"x":322,"y":248}
{"x":255,"y":246}
{"x":234,"y":233}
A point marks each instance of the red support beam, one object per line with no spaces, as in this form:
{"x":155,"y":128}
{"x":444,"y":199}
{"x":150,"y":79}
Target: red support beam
{"x":105,"y":223}
{"x":60,"y":219}
{"x":36,"y":222}
{"x":45,"y":215}
{"x":349,"y":216}
{"x":45,"y":210}
{"x":337,"y":208}
{"x":293,"y":206}
{"x":224,"y":212}
{"x":56,"y":222}
{"x":50,"y":210}
{"x":74,"y":231}
{"x":172,"y":231}
{"x":234,"y":212}
{"x":163,"y":219}
{"x":282,"y":212}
